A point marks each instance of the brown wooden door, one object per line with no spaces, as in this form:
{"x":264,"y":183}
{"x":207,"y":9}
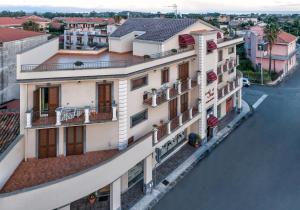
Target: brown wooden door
{"x":53,"y":100}
{"x":183,"y":73}
{"x":184,"y":102}
{"x":173,"y":109}
{"x":74,"y":140}
{"x":104,"y":98}
{"x":47,"y":143}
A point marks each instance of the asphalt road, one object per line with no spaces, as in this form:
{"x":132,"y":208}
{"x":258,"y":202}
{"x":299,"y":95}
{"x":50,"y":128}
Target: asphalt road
{"x":257,"y":167}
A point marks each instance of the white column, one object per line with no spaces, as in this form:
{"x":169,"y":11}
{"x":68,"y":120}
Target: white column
{"x":23,"y":104}
{"x":154,"y":97}
{"x":168,"y":93}
{"x":180,"y":120}
{"x":58,"y":117}
{"x":61,"y":142}
{"x":179,"y":87}
{"x":123,"y":139}
{"x":189,"y":83}
{"x":239,"y":99}
{"x":198,"y":77}
{"x":124,"y":182}
{"x":115,"y":195}
{"x":201,"y":52}
{"x":148,"y":182}
{"x":169,"y":127}
{"x":191,"y":113}
{"x":28,"y":119}
{"x":155,"y":132}
{"x":86,"y":114}
{"x":114,"y":112}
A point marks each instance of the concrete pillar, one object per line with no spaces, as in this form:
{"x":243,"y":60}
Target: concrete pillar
{"x":123,"y":138}
{"x":180,"y":120}
{"x":155,"y":132}
{"x":124,"y":182}
{"x":239,"y":95}
{"x":115,"y":195}
{"x":114,"y":112}
{"x":191,"y":113}
{"x":86,"y":114}
{"x":154,"y":97}
{"x":198,"y":77}
{"x":28,"y":119}
{"x":189,"y":83}
{"x":179,"y":87}
{"x":61,"y":142}
{"x":148,"y":182}
{"x":168,"y":93}
{"x":23,"y":106}
{"x":58,"y":117}
{"x":169,"y":127}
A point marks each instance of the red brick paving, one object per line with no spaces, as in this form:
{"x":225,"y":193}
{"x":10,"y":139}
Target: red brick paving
{"x":39,"y":171}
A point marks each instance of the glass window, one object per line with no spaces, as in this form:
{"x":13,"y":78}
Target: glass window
{"x":138,"y":118}
{"x":44,"y":100}
{"x":220,"y":55}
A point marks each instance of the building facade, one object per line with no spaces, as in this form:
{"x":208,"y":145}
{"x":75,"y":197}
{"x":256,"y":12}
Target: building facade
{"x":95,"y":124}
{"x":283,"y":51}
{"x":12,"y":42}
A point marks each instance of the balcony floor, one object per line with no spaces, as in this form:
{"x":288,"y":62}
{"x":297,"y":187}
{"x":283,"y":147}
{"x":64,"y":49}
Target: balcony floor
{"x":39,"y":171}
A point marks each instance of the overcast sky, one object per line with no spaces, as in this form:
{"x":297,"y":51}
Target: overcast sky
{"x":161,"y":5}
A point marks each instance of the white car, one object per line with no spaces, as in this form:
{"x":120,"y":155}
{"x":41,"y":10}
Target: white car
{"x":246,"y":82}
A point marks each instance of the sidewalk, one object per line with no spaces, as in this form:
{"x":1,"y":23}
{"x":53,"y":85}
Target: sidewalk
{"x":148,"y":201}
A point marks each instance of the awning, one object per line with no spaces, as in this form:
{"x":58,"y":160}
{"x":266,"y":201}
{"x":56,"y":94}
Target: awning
{"x":211,"y":76}
{"x":212,"y":121}
{"x":211,"y":45}
{"x":186,"y":40}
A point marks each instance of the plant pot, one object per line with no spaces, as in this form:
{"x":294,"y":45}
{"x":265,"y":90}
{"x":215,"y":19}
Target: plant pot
{"x":92,"y":199}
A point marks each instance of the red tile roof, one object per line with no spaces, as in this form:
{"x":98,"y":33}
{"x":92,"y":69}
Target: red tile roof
{"x":10,"y":21}
{"x":11,"y":34}
{"x":11,"y":105}
{"x":39,"y":171}
{"x":284,"y":37}
{"x":9,"y":128}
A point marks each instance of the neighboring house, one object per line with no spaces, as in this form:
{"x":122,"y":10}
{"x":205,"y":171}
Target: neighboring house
{"x":16,"y":22}
{"x":102,"y":122}
{"x":243,"y":19}
{"x":87,"y":33}
{"x":283,"y":52}
{"x":12,"y":42}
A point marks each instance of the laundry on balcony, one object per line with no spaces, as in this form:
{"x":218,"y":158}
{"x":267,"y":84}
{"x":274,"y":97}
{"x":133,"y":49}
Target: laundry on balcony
{"x":186,"y":40}
{"x":211,"y":45}
{"x":212,"y":121}
{"x":211,"y":76}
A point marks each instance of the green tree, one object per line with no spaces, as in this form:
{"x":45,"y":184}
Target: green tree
{"x":31,"y":26}
{"x":271,"y":31}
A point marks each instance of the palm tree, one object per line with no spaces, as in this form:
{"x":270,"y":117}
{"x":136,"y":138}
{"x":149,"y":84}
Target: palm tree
{"x":271,"y":31}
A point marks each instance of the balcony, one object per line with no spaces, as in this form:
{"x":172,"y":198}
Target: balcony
{"x":228,"y":64}
{"x":165,"y":129}
{"x":157,"y":97}
{"x":71,"y":116}
{"x":227,"y":41}
{"x":229,"y":88}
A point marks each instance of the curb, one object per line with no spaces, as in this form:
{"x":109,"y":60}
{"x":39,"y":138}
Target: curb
{"x":165,"y":186}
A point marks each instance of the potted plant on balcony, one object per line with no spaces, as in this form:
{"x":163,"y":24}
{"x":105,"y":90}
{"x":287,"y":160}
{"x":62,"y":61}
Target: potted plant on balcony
{"x":78,"y":63}
{"x":194,"y":140}
{"x":174,"y":51}
{"x":92,"y":198}
{"x":147,"y":57}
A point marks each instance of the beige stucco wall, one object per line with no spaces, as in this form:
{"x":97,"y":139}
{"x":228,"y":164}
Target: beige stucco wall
{"x":141,"y":48}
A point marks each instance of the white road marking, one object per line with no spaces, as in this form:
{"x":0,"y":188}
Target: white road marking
{"x":259,"y":101}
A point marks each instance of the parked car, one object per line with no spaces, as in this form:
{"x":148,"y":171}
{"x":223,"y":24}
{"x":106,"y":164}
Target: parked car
{"x":246,"y":82}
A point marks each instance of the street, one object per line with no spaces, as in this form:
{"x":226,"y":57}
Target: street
{"x":257,"y":167}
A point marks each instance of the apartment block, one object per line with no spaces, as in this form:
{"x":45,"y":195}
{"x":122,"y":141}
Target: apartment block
{"x":97,"y":123}
{"x":12,"y":42}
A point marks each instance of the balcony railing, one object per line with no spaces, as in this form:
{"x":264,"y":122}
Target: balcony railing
{"x":230,"y":86}
{"x":165,"y":129}
{"x":101,"y":64}
{"x":166,"y":93}
{"x":71,"y":115}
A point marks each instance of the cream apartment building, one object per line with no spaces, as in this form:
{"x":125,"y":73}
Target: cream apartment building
{"x":96,"y":123}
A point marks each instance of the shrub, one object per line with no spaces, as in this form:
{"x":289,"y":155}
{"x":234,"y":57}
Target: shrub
{"x":255,"y":77}
{"x":78,"y":63}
